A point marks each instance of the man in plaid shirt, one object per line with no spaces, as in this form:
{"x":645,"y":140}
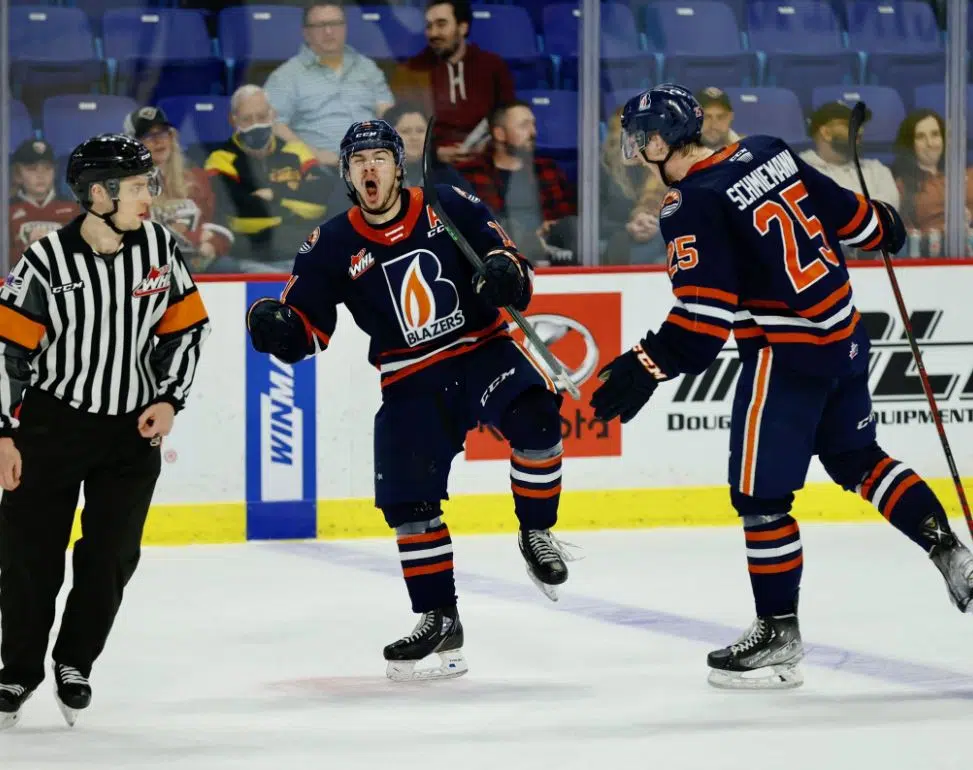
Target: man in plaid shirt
{"x":530,"y":195}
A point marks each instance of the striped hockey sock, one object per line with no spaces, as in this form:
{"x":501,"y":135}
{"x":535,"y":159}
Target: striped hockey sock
{"x":775,"y":560}
{"x":427,"y":565}
{"x":535,"y":479}
{"x":906,"y":501}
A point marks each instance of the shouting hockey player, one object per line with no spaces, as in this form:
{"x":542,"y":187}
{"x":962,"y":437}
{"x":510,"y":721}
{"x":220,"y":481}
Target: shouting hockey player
{"x":446,"y":362}
{"x":754,"y":240}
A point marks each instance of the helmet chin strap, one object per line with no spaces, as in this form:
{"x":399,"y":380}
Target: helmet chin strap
{"x":661,"y":165}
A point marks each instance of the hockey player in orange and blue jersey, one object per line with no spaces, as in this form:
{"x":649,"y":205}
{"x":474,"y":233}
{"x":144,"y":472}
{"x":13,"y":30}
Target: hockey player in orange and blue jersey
{"x":446,"y":362}
{"x":754,"y":239}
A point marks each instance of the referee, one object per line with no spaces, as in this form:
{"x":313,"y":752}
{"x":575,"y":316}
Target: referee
{"x":100,"y":333}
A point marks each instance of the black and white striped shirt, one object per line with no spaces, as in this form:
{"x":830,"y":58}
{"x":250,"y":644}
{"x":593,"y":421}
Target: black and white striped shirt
{"x":105,"y":334}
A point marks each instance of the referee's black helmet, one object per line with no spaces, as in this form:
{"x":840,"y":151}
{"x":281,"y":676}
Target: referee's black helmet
{"x":105,"y":158}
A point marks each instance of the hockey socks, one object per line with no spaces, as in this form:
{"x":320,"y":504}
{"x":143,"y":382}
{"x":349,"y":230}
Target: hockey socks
{"x":427,"y":565}
{"x":775,"y":560}
{"x":906,"y":501}
{"x":535,"y":479}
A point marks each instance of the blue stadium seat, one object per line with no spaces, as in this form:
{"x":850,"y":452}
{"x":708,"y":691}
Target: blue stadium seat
{"x":901,"y":41}
{"x":886,"y":105}
{"x":803,"y":44}
{"x":70,"y":119}
{"x":255,"y":39}
{"x":771,"y":111}
{"x":51,"y":49}
{"x":161,"y":52}
{"x":386,"y":32}
{"x":644,"y":9}
{"x":508,"y":32}
{"x":21,"y":128}
{"x":199,"y":119}
{"x":556,"y":113}
{"x":622,"y":61}
{"x":932,"y":96}
{"x":95,"y":9}
{"x":701,"y":44}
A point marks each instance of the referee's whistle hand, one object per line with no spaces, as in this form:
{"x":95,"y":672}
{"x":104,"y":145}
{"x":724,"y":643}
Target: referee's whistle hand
{"x":10,"y":465}
{"x":156,"y":420}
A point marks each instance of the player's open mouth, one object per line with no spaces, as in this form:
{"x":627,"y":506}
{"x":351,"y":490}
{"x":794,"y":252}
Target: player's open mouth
{"x":371,"y":188}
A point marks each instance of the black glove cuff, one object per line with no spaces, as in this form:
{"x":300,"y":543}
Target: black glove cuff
{"x":652,"y":356}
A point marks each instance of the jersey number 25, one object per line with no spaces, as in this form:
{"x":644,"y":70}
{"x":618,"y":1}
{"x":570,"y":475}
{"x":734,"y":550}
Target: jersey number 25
{"x":788,"y":215}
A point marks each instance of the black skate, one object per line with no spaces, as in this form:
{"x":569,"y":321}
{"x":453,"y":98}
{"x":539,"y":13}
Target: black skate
{"x":545,"y":557}
{"x":955,"y":561}
{"x":72,"y":690}
{"x":438,"y":631}
{"x":12,"y":698}
{"x":765,"y":657}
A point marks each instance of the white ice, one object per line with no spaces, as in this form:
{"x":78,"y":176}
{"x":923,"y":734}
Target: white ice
{"x":269,"y":656}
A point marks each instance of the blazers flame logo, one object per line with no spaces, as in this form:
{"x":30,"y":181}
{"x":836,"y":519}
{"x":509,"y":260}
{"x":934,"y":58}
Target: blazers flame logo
{"x":426,"y":304}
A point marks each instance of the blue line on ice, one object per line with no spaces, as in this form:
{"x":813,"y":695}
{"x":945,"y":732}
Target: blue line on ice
{"x":894,"y":671}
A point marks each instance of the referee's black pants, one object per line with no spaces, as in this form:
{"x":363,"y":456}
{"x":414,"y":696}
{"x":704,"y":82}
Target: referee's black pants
{"x":62,"y":449}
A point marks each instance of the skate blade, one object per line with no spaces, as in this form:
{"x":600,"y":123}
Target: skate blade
{"x":549,"y":591}
{"x":70,"y":715}
{"x":452,"y":664}
{"x":767,"y":678}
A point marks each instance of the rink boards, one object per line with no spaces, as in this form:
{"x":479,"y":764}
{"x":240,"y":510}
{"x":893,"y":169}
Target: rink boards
{"x":270,"y":451}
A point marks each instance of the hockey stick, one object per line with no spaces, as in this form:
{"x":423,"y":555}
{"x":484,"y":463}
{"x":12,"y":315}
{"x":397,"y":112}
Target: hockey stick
{"x":854,"y":124}
{"x":431,"y":198}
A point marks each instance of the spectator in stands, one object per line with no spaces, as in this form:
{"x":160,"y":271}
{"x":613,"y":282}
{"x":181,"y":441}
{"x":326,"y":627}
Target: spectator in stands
{"x":717,"y":118}
{"x":919,"y":171}
{"x":530,"y":195}
{"x":629,"y":202}
{"x":455,"y":80}
{"x":832,"y":156}
{"x":35,"y":209}
{"x":327,"y":86}
{"x":269,"y":193}
{"x":186,"y":204}
{"x":410,"y":121}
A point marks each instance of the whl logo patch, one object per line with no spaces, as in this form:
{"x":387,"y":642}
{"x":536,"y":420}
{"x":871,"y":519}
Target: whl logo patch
{"x":156,"y":282}
{"x":360,"y":262}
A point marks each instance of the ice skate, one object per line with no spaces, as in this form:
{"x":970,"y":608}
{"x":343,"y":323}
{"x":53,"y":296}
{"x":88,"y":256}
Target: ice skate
{"x":438,"y":631}
{"x":544,"y":555}
{"x":955,"y":561}
{"x":764,"y":658}
{"x":72,"y":691}
{"x":12,"y":699}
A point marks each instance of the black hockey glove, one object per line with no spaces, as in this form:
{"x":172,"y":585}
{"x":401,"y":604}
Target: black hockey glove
{"x":629,"y":382}
{"x":502,"y":280}
{"x":278,"y":329}
{"x":893,"y":228}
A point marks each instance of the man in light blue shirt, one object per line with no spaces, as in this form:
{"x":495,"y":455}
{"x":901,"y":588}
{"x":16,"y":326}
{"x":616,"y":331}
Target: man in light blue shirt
{"x":327,"y":86}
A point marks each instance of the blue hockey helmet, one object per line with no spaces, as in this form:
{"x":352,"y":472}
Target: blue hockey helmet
{"x":668,"y":110}
{"x":371,"y":135}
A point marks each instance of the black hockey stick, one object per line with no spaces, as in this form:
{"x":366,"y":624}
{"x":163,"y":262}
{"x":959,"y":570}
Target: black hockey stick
{"x":431,"y":199}
{"x":854,"y":124}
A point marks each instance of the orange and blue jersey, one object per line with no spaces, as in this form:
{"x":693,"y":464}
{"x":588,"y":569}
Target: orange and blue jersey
{"x":754,"y":238}
{"x":406,"y":284}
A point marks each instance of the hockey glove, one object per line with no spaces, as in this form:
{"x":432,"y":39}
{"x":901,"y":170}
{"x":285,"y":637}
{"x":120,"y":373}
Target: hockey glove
{"x":502,"y":280}
{"x":278,"y":329}
{"x":893,"y":229}
{"x":628,"y":382}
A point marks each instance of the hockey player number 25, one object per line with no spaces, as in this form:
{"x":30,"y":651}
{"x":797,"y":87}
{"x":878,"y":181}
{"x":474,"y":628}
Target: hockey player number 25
{"x":786,"y":214}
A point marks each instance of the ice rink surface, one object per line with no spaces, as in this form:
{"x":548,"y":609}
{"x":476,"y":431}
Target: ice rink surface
{"x":269,"y":656}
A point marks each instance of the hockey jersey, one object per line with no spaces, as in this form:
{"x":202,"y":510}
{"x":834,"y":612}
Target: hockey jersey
{"x":406,"y":284}
{"x":754,"y":238}
{"x":30,"y":221}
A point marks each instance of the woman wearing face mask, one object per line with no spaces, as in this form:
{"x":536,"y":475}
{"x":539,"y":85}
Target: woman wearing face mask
{"x":269,"y":193}
{"x":186,"y":204}
{"x":919,"y":171}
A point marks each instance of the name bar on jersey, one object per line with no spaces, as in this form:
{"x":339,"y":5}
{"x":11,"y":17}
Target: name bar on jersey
{"x":762,"y":180}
